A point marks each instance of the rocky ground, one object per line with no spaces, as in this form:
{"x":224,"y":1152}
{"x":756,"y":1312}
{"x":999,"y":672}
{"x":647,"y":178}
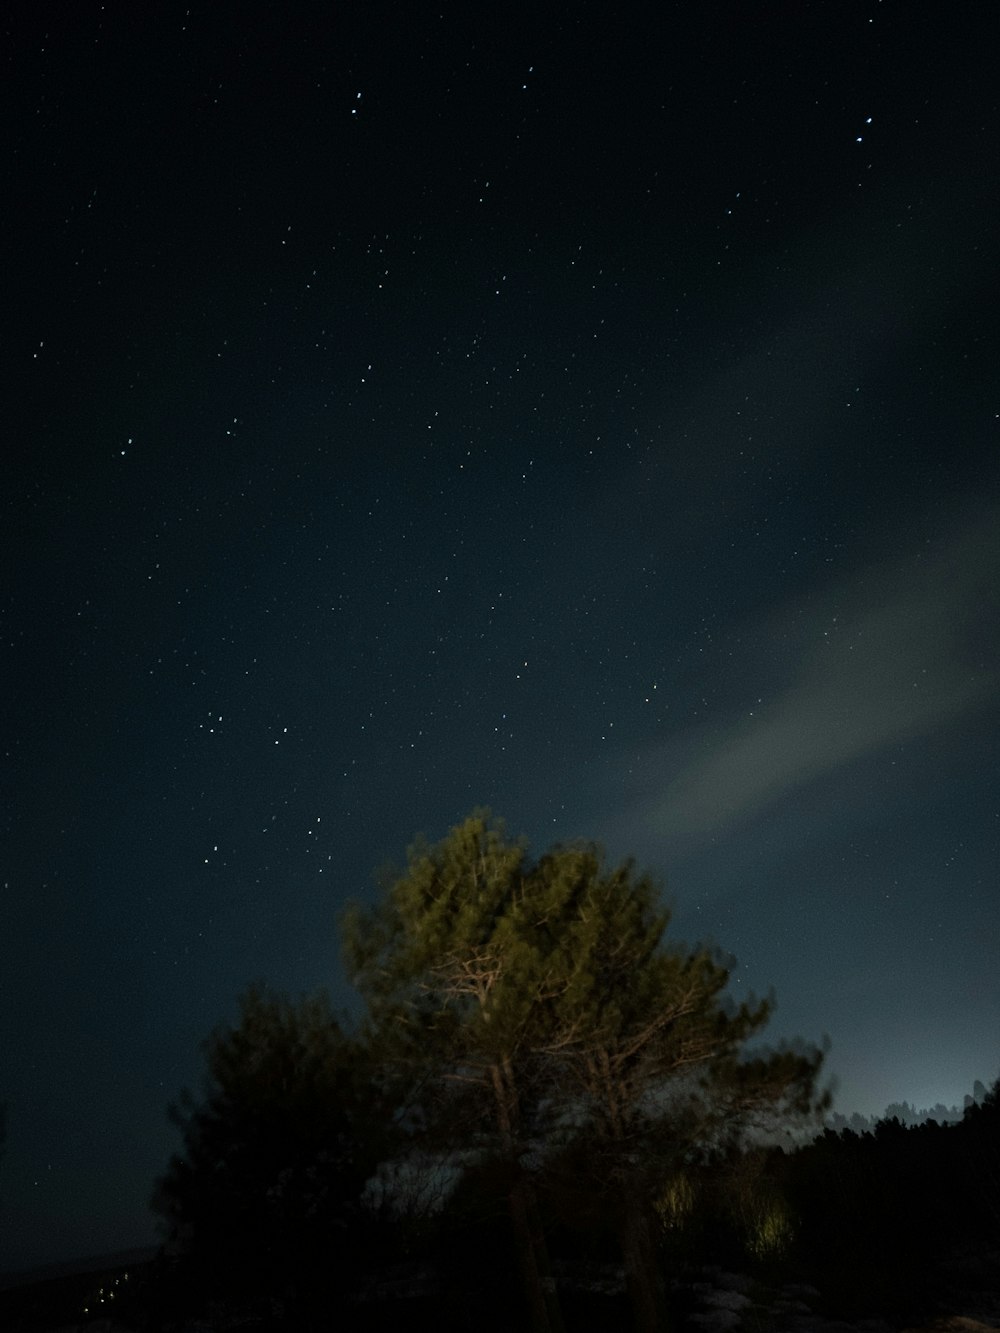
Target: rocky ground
{"x":731,"y":1303}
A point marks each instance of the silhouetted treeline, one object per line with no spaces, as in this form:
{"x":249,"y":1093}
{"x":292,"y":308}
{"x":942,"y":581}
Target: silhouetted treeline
{"x":893,"y":1214}
{"x":907,"y":1114}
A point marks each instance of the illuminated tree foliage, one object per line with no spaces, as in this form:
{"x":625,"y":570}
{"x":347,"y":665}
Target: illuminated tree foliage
{"x":550,"y":988}
{"x":454,"y":978}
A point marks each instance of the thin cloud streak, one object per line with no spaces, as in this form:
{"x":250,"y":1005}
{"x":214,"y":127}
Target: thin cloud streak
{"x":897,"y":659}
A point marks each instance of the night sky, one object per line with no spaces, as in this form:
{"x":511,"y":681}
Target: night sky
{"x":593,"y":415}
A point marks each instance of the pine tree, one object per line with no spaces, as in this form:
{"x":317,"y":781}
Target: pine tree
{"x":455,"y":987}
{"x":550,"y":990}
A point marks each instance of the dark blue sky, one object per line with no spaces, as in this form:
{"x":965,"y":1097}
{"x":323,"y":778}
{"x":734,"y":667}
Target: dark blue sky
{"x":591,"y":417}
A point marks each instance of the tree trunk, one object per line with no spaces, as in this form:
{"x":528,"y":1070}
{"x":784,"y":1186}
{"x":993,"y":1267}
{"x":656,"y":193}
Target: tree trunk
{"x":529,"y":1236}
{"x":643,"y":1279}
{"x":533,"y":1258}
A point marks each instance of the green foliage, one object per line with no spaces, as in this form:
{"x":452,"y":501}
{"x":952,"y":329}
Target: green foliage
{"x":763,"y":1215}
{"x":477,"y":957}
{"x":453,"y":977}
{"x":550,"y":990}
{"x":730,"y":1209}
{"x":676,"y":1202}
{"x":432,"y":955}
{"x":648,"y":1055}
{"x":455,"y":982}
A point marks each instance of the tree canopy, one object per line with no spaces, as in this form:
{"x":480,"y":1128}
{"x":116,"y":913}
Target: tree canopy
{"x":553,"y":989}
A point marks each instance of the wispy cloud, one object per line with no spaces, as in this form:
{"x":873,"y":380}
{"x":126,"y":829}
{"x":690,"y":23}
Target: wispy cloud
{"x":898,"y":652}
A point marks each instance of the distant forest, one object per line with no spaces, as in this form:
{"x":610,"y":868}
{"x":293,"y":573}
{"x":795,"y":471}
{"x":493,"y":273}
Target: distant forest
{"x":907,"y":1114}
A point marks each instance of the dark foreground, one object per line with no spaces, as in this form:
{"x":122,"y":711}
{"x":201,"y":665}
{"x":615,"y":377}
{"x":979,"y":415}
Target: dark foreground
{"x":134,"y":1297}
